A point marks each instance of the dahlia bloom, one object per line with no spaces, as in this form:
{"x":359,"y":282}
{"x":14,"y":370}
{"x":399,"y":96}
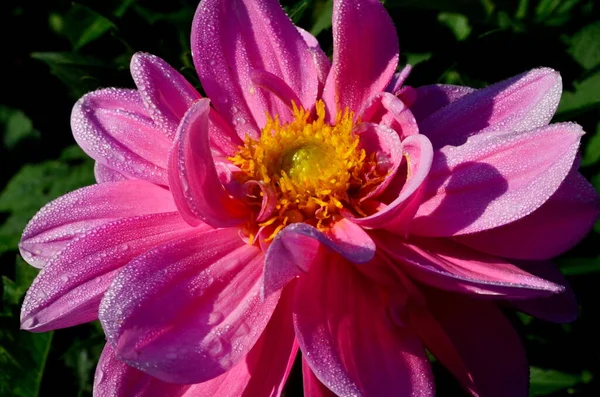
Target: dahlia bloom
{"x":309,"y":204}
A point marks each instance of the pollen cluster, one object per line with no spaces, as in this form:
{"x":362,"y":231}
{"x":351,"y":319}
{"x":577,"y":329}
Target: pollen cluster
{"x":314,"y":167}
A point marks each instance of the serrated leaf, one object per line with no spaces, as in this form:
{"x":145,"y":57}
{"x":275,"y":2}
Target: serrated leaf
{"x":585,"y":46}
{"x":37,"y":184}
{"x":547,"y":381}
{"x":16,"y":127}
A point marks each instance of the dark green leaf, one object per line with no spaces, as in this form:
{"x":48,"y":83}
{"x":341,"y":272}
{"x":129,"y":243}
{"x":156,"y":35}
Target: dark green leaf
{"x":457,"y":23}
{"x":591,"y":154}
{"x":16,"y":127}
{"x":586,"y":95}
{"x":322,"y":20}
{"x":548,"y":381}
{"x":83,"y":25}
{"x":585,"y":46}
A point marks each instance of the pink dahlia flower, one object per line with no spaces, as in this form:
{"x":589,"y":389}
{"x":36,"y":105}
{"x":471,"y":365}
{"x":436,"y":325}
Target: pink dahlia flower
{"x":309,"y":204}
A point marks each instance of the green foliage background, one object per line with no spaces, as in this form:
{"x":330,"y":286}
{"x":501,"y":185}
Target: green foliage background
{"x":55,"y":51}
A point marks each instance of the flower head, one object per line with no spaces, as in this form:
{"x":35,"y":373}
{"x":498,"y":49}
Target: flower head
{"x":313,"y":205}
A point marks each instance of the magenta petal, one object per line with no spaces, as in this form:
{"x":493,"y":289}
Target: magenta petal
{"x":189,"y":310}
{"x":69,"y":289}
{"x":322,"y":63}
{"x":115,"y":378}
{"x":230,"y":38}
{"x":312,"y":386}
{"x":365,"y":54}
{"x":167,"y":95}
{"x":558,"y":308}
{"x":398,"y":80}
{"x":446,"y":265}
{"x":521,"y":103}
{"x":555,"y":227}
{"x":428,"y":99}
{"x":473,"y":335}
{"x":197,"y":190}
{"x":494,"y":179}
{"x":105,"y":174}
{"x":278,"y":87}
{"x":297,"y":246}
{"x":61,"y":220}
{"x":114,"y":128}
{"x":406,"y":193}
{"x":389,"y":111}
{"x":350,"y":343}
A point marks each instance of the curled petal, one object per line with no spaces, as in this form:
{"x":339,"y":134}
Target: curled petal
{"x":404,"y":192}
{"x":555,"y":227}
{"x":298,"y":246}
{"x":276,"y":86}
{"x":474,"y":340}
{"x":197,"y":190}
{"x":398,"y":80}
{"x":495,"y":179}
{"x":521,"y":103}
{"x":347,"y":356}
{"x":61,"y":220}
{"x":428,"y":99}
{"x":114,"y":128}
{"x":351,"y":83}
{"x":69,"y":289}
{"x":387,"y":110}
{"x":167,"y":95}
{"x":232,"y":38}
{"x":189,"y":310}
{"x":105,"y":174}
{"x":449,"y":266}
{"x":269,"y":198}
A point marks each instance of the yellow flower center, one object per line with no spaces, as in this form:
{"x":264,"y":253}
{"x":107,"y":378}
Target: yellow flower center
{"x":314,"y":167}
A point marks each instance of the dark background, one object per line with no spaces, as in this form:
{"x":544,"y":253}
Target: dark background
{"x":55,"y":51}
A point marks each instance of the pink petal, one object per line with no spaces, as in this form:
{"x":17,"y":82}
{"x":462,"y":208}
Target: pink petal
{"x":230,"y":38}
{"x":189,"y":310}
{"x":333,"y":306}
{"x":521,"y":103}
{"x":114,"y":128}
{"x":197,"y":190}
{"x":494,"y":179}
{"x":115,"y":378}
{"x":404,"y":195}
{"x":105,"y":174}
{"x":167,"y":95}
{"x":276,"y":86}
{"x":398,"y":80}
{"x":69,"y":289}
{"x":385,"y":143}
{"x":298,"y":246}
{"x":322,"y":63}
{"x":559,"y":308}
{"x":428,"y":99}
{"x":557,"y":226}
{"x":446,"y":265}
{"x":474,"y":340}
{"x":389,"y":111}
{"x":58,"y":222}
{"x":365,"y":54}
{"x":312,"y":385}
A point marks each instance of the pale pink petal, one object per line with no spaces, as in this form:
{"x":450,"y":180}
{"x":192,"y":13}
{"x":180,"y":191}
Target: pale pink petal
{"x":387,"y":110}
{"x":449,"y":266}
{"x":105,"y":174}
{"x":344,"y":331}
{"x":69,"y":289}
{"x":365,"y":54}
{"x":230,"y":38}
{"x":197,"y":190}
{"x":474,"y":340}
{"x":59,"y":221}
{"x":114,"y":128}
{"x":167,"y":95}
{"x":521,"y":103}
{"x":113,"y":378}
{"x":298,"y":246}
{"x":404,"y":194}
{"x":385,"y":143}
{"x":559,"y":308}
{"x":558,"y":225}
{"x":312,"y":386}
{"x":494,"y":179}
{"x":189,"y":310}
{"x":322,"y":62}
{"x":425,"y":100}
